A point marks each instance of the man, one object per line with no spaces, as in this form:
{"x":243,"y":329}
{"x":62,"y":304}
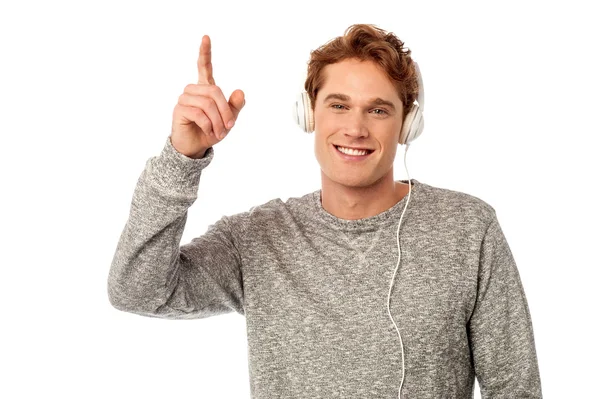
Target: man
{"x":312,"y":274}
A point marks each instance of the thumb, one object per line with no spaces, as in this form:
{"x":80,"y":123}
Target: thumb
{"x":237,"y":100}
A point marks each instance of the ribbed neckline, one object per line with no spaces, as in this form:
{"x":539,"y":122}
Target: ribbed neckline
{"x":369,"y":223}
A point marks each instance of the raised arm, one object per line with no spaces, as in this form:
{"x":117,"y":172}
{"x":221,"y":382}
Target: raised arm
{"x":150,"y":273}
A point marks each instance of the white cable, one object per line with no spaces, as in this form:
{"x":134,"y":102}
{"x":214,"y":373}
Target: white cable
{"x":394,"y":276}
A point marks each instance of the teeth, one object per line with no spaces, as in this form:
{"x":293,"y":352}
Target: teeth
{"x":351,"y":151}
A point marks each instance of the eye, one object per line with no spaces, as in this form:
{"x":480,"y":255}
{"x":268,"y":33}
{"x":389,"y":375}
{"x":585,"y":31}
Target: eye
{"x":383,"y":110}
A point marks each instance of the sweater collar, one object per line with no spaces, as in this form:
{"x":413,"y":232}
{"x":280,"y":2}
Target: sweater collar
{"x":368,"y":223}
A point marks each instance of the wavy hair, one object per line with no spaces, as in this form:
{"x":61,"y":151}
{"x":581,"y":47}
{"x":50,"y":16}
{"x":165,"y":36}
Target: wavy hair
{"x":366,"y":42}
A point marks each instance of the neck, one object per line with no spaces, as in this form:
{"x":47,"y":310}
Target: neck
{"x":354,"y":202}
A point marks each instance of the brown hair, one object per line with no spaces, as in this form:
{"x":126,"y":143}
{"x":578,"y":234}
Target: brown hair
{"x":366,"y":42}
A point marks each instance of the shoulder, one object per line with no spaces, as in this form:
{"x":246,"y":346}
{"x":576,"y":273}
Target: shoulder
{"x":274,"y":212}
{"x":447,"y":205}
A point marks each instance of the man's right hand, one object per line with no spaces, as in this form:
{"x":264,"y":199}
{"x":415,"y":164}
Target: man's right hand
{"x":202,"y":115}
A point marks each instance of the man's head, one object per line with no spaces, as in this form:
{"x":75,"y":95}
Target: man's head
{"x":361,"y":85}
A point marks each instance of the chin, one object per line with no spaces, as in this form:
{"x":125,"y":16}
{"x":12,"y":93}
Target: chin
{"x":351,"y":180}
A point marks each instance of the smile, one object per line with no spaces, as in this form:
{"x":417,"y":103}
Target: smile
{"x":352,"y":154}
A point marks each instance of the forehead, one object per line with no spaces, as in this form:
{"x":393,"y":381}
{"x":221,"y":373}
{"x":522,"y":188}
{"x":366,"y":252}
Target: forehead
{"x":358,"y":79}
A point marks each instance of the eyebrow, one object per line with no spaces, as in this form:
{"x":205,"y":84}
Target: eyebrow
{"x":374,"y":101}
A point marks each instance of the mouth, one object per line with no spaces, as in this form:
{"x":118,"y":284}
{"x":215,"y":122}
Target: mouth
{"x":352,"y":154}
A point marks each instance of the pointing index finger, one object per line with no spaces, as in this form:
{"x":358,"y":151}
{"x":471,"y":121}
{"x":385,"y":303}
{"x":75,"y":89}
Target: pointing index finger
{"x":205,"y":73}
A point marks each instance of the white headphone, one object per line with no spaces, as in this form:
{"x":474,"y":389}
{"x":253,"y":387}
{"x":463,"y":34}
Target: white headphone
{"x":412,"y":125}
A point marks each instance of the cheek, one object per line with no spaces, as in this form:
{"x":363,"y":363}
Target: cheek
{"x":320,"y":146}
{"x":324,"y":123}
{"x":328,"y":120}
{"x":390,"y":155}
{"x":390,"y":147}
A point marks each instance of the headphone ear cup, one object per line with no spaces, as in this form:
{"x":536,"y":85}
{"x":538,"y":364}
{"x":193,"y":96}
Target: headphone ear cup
{"x":413,"y":125}
{"x":406,"y":125}
{"x":308,"y":113}
{"x":299,"y":111}
{"x":303,"y":114}
{"x":420,"y":125}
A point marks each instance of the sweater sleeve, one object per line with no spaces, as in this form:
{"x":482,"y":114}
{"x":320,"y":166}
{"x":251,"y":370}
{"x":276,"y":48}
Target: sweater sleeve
{"x":150,"y":274}
{"x":500,"y":328}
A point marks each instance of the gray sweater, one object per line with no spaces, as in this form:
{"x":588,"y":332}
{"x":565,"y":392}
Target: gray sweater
{"x":314,"y":289}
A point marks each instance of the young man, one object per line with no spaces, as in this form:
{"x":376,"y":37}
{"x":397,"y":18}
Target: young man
{"x":312,"y":274}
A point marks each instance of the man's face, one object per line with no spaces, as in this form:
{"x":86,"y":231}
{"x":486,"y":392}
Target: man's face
{"x":356,"y":120}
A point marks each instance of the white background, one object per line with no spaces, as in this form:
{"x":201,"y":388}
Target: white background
{"x":87,"y":91}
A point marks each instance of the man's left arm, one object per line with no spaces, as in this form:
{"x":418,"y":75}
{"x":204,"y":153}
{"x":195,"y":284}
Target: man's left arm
{"x":500,"y":328}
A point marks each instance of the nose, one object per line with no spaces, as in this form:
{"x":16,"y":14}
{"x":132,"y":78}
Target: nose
{"x":355,"y":125}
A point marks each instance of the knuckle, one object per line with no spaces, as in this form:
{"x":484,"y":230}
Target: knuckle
{"x":199,"y":114}
{"x":206,"y":127}
{"x":214,"y":90}
{"x":189,"y":88}
{"x":204,"y":122}
{"x":206,"y":102}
